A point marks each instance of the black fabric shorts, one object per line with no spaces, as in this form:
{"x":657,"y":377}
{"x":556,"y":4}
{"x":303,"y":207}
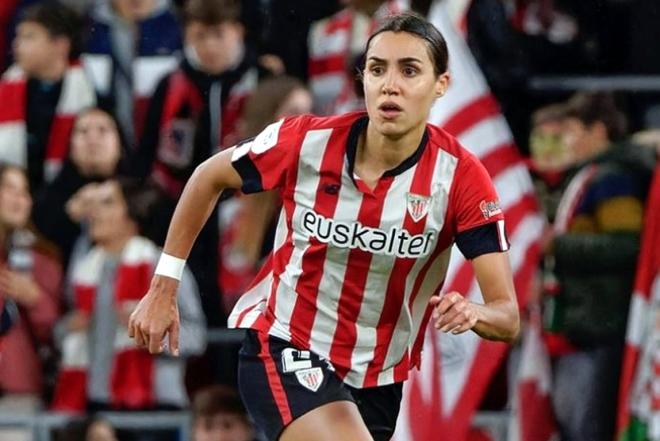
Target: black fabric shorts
{"x":279,"y":383}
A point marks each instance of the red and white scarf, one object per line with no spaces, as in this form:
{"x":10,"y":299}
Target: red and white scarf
{"x":132,"y":373}
{"x":176,"y":141}
{"x":77,"y":94}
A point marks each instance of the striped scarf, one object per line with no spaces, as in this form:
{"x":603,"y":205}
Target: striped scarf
{"x":176,"y":145}
{"x":77,"y":94}
{"x":132,"y":373}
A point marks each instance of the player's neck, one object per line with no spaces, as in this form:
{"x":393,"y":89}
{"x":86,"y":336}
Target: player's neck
{"x":387,"y":152}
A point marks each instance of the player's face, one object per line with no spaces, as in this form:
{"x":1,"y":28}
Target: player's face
{"x":400,"y":84}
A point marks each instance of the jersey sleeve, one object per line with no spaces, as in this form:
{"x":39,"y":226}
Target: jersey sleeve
{"x":264,"y":161}
{"x":478,"y":221}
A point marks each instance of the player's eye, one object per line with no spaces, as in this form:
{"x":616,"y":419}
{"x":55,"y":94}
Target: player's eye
{"x":410,"y":71}
{"x":376,"y":70}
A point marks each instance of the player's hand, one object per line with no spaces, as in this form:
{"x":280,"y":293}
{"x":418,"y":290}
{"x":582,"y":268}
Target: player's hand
{"x":156,"y":316}
{"x":453,"y":313}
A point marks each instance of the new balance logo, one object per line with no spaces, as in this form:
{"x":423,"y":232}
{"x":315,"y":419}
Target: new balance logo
{"x":395,"y":242}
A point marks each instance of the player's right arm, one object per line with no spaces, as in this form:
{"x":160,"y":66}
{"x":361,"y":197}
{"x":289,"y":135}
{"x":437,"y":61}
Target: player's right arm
{"x":255,"y":165}
{"x":157,"y":313}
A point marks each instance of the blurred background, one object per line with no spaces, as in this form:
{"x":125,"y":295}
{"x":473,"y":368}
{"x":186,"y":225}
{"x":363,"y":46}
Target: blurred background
{"x":107,"y":107}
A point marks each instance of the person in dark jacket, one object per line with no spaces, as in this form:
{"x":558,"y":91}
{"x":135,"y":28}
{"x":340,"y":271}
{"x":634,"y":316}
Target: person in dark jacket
{"x":595,"y":247}
{"x":193,"y":114}
{"x":97,"y":153}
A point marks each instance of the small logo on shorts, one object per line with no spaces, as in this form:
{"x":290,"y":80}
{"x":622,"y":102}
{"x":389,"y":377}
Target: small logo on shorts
{"x":310,"y":378}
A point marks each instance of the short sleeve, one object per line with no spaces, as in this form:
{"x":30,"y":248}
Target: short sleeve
{"x":478,"y":217}
{"x":264,"y":161}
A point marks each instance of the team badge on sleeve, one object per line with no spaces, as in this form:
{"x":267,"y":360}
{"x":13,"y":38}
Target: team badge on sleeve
{"x":310,"y":378}
{"x":418,"y":206}
{"x":490,"y":208}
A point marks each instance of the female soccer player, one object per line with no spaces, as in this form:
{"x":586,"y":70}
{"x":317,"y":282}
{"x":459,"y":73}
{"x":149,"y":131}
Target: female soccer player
{"x":372,"y":203}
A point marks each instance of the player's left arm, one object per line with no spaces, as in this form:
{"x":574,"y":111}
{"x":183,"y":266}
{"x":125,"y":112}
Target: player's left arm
{"x":481,"y":237}
{"x":497,"y":318}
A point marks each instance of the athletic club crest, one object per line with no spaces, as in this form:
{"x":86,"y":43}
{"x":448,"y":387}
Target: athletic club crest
{"x":310,"y":378}
{"x":418,"y":206}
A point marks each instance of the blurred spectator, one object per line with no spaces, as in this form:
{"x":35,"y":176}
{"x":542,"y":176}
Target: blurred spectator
{"x":250,"y":219}
{"x":42,"y":93}
{"x":92,"y":428}
{"x":194,"y":110}
{"x":96,"y":154}
{"x":30,"y":278}
{"x":194,"y":113}
{"x":106,"y":283}
{"x":552,"y":163}
{"x":336,"y":45}
{"x":547,"y":147}
{"x":100,"y":429}
{"x":292,"y":18}
{"x":218,"y":414}
{"x":595,"y":251}
{"x":132,"y":44}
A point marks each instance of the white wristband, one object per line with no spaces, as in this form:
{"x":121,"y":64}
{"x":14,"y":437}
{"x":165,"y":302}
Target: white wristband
{"x":170,"y":266}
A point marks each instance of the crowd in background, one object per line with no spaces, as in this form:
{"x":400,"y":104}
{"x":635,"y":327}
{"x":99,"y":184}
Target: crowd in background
{"x":107,"y":107}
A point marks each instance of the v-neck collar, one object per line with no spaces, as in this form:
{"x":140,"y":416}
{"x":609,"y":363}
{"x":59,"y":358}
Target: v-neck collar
{"x":351,"y":150}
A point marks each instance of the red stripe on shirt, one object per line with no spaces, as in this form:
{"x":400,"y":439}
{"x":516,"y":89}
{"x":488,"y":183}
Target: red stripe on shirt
{"x":396,"y":286}
{"x":352,"y":290}
{"x":304,"y":310}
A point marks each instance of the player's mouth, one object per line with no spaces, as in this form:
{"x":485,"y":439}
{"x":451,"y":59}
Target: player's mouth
{"x":390,"y":109}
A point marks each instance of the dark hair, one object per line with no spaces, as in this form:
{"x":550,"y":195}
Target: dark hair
{"x":216,"y":399}
{"x":211,"y":12}
{"x":593,"y":107}
{"x":77,"y":430}
{"x":550,"y":113}
{"x":415,"y":24}
{"x":59,"y":20}
{"x":141,"y":197}
{"x":261,"y":108}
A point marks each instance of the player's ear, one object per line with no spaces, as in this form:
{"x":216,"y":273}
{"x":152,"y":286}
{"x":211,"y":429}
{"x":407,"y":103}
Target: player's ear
{"x":441,"y":84}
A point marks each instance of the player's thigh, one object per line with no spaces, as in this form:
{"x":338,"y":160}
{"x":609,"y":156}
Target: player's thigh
{"x":336,"y":421}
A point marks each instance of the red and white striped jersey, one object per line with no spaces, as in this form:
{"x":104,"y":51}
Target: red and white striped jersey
{"x":353,"y":268}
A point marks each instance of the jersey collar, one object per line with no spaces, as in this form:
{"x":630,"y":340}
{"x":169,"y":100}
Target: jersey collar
{"x":351,"y":149}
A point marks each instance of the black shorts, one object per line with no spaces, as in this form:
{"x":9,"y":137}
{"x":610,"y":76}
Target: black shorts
{"x":279,"y":383}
